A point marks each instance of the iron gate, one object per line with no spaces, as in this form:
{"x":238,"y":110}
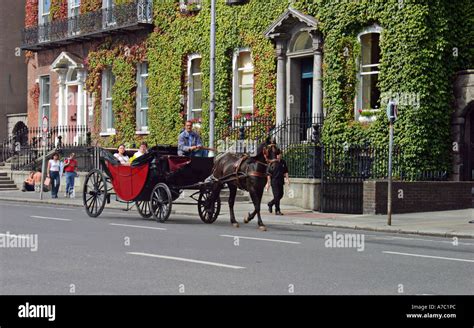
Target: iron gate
{"x":343,"y":173}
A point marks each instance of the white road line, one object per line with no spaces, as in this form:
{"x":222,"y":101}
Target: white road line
{"x":429,"y":256}
{"x":136,"y":226}
{"x":421,"y":239}
{"x":48,"y":218}
{"x":47,"y":207}
{"x":188,"y":260}
{"x":263,"y":239}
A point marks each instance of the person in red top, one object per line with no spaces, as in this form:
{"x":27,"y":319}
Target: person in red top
{"x":70,"y":168}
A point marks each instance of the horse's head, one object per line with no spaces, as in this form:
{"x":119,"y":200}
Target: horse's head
{"x":268,"y":150}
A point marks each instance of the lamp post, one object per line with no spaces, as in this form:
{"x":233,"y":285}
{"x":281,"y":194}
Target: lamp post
{"x":212,"y":107}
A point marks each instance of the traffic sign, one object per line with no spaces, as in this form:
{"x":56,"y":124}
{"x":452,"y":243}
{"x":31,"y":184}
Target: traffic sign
{"x":45,"y":124}
{"x":392,"y":111}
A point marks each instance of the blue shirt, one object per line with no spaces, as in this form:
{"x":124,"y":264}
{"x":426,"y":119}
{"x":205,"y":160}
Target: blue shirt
{"x":187,"y":140}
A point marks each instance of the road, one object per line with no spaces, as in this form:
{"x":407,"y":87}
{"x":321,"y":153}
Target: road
{"x":120,"y":253}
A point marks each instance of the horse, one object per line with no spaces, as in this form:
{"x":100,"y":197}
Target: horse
{"x":241,"y":171}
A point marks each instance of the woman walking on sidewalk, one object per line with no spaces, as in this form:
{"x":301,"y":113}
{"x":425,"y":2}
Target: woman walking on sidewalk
{"x":70,"y":168}
{"x":53,"y":174}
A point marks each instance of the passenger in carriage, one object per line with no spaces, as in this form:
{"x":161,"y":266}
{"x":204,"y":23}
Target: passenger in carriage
{"x":141,"y":151}
{"x":189,"y":142}
{"x":121,"y":156}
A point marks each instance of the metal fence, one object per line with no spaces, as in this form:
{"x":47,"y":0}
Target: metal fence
{"x":24,"y":149}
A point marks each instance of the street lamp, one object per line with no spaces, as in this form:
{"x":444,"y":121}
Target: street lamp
{"x":212,"y":107}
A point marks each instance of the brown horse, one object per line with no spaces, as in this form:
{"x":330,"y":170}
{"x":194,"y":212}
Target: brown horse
{"x":244,"y":172}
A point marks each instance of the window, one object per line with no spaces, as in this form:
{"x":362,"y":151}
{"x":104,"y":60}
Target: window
{"x":44,"y":9}
{"x":369,"y":94}
{"x":304,"y":41}
{"x":45,"y":95}
{"x":142,"y":97}
{"x":74,"y":6}
{"x":243,"y":83}
{"x":195,"y":88}
{"x":108,"y":13}
{"x":108,"y":80}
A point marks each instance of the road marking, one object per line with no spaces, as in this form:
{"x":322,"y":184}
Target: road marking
{"x":263,"y":239}
{"x":188,"y":260}
{"x":429,"y":256}
{"x":48,"y":218}
{"x":421,"y":239}
{"x":47,"y":207}
{"x":136,"y":226}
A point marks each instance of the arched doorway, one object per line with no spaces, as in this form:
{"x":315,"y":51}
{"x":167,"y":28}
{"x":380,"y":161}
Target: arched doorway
{"x":20,"y":133}
{"x":468,"y":163}
{"x":462,"y":127}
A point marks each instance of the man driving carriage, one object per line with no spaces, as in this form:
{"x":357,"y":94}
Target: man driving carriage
{"x":189,"y":142}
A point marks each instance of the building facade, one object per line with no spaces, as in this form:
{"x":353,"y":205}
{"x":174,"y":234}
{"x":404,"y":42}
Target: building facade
{"x":133,"y":70}
{"x":12,"y":62}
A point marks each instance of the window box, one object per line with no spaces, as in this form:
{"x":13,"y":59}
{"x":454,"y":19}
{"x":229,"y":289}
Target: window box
{"x":367,"y":115}
{"x":189,"y":6}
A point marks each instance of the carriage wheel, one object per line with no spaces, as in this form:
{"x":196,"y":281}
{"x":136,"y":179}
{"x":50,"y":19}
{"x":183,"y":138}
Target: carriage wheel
{"x":161,"y":202}
{"x":144,"y":209}
{"x":95,"y":193}
{"x":208,"y":210}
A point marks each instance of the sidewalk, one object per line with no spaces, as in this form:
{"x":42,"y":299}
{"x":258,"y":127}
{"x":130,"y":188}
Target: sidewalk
{"x":441,"y":224}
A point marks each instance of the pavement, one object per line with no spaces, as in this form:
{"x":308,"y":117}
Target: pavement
{"x":448,"y":224}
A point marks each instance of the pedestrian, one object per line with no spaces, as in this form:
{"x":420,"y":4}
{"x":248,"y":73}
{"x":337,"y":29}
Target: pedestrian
{"x":54,"y":167}
{"x":277,"y":173}
{"x":189,"y":142}
{"x":29,"y":183}
{"x":70,"y":170}
{"x":121,"y":156}
{"x":37,"y":180}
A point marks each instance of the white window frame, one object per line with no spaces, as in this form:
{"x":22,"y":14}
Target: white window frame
{"x":108,"y":19}
{"x":191,"y":89}
{"x":141,"y":129}
{"x":107,"y":103}
{"x":72,"y":7}
{"x":42,"y":14}
{"x":236,"y":101}
{"x":42,"y":105}
{"x":358,"y":101}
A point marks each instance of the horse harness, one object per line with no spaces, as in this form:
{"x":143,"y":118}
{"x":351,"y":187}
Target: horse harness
{"x":238,"y":165}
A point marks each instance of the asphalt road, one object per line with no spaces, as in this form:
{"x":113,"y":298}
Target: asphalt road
{"x":120,"y":253}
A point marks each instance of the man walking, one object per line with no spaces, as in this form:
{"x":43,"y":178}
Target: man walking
{"x":277,"y":173}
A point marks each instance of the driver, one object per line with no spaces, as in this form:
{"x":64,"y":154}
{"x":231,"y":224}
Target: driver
{"x":189,"y":142}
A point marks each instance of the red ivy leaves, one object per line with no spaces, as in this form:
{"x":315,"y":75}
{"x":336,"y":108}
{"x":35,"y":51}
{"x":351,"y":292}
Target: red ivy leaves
{"x":58,"y":9}
{"x":35,"y":94}
{"x":31,"y":13}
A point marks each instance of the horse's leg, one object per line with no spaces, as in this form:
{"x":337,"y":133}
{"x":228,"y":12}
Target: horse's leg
{"x":256,"y":199}
{"x":232,"y":195}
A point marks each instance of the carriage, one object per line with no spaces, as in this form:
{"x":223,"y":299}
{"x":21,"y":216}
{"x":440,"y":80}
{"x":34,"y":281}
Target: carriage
{"x":153,"y":183}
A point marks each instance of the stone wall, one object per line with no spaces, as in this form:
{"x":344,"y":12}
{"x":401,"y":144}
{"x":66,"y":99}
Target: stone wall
{"x":411,"y":197}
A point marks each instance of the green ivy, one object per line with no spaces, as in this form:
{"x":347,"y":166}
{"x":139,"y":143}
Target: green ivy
{"x":417,"y":45}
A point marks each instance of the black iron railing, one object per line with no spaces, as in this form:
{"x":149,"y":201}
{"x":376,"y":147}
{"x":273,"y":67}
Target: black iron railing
{"x":27,"y":145}
{"x":241,"y":135}
{"x":89,"y":24}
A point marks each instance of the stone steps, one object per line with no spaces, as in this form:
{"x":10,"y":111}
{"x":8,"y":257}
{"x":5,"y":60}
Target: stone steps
{"x":6,"y":184}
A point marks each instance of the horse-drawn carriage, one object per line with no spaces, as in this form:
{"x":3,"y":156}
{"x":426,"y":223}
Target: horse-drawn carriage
{"x":153,"y":182}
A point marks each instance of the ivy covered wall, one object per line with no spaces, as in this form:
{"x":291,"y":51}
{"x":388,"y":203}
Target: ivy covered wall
{"x":423,"y":43}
